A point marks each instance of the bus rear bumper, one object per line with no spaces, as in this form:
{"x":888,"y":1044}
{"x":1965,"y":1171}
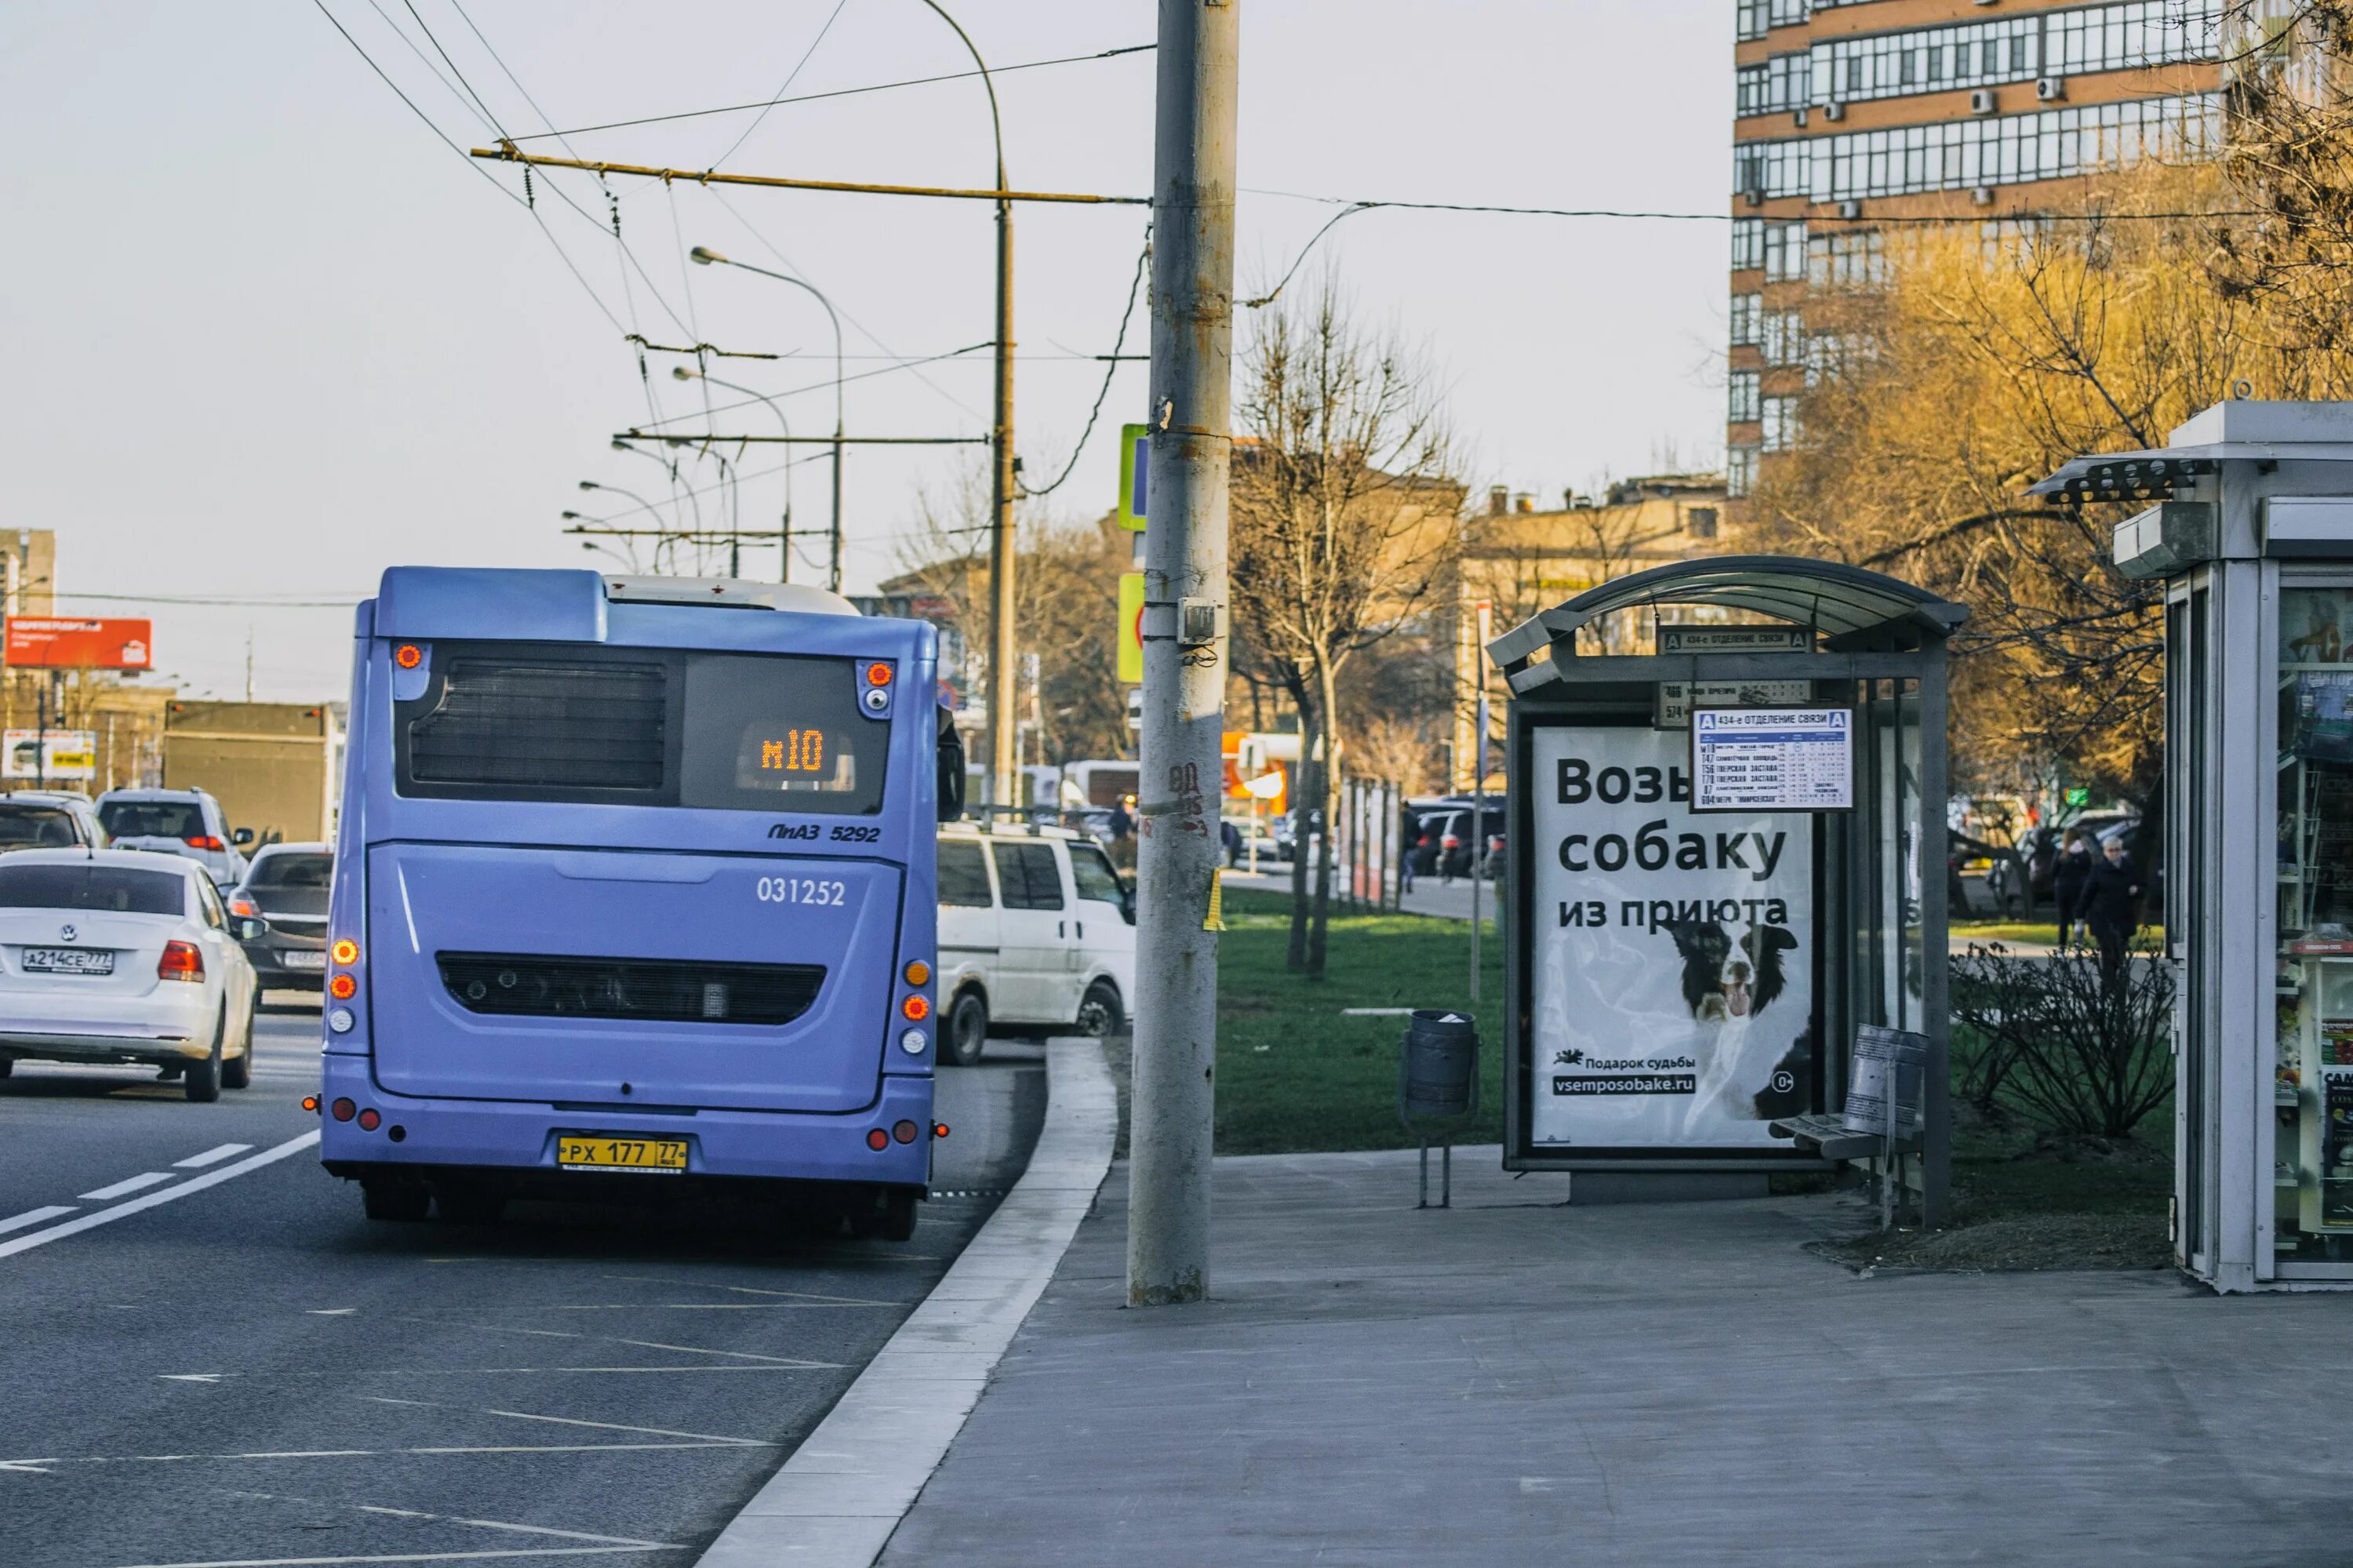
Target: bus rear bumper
{"x":520,"y":1137}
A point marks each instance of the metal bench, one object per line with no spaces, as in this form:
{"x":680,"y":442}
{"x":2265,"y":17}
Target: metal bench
{"x":1892,"y":1076}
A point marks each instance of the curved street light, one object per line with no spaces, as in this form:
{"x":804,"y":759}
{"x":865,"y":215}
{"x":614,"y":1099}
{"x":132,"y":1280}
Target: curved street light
{"x":785,"y":532}
{"x":702,"y":255}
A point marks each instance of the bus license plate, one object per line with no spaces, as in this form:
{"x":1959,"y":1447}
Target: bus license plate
{"x":597,"y":1151}
{"x":67,"y":961}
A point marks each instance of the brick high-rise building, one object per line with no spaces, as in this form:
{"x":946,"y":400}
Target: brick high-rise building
{"x":1848,"y":111}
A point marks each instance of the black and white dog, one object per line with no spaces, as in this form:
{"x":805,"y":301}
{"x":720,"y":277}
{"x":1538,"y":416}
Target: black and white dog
{"x":1728,"y":982}
{"x":1727,"y":979}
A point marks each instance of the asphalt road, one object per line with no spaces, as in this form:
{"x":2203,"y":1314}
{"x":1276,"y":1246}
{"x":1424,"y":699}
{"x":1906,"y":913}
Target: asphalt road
{"x":246,"y":1372}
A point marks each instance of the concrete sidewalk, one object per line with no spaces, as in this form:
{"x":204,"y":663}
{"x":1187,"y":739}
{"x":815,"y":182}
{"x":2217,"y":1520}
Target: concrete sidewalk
{"x":1518,"y":1382}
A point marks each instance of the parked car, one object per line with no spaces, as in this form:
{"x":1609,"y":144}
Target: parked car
{"x":1257,"y":838}
{"x":49,"y":819}
{"x":1037,"y":937}
{"x":185,"y":822}
{"x":283,"y":903}
{"x":118,"y":956}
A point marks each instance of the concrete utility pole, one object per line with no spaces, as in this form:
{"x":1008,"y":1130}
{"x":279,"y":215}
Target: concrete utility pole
{"x":1180,"y":778}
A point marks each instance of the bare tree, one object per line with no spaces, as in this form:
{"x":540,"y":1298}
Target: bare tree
{"x":1344,"y":520}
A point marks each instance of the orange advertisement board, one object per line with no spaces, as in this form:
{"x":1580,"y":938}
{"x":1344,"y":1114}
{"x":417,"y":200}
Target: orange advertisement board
{"x":70,"y":642}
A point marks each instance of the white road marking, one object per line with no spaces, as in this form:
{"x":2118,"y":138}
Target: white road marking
{"x":210,"y":1157}
{"x":34,"y":1217}
{"x":808,"y":1296}
{"x":502,"y":1371}
{"x":410,"y":1557}
{"x":438,"y":1450}
{"x":568,"y":1421}
{"x":705,"y":1306}
{"x":126,"y":1185}
{"x":475,"y":1523}
{"x":136,"y":1206}
{"x":331,"y":1311}
{"x":634,"y":1344}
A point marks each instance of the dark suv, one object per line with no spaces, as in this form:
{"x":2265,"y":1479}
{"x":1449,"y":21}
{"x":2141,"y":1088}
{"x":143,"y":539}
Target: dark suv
{"x":285,"y":893}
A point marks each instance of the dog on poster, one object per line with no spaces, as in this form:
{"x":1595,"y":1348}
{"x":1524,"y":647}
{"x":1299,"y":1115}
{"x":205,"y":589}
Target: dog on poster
{"x":1729,"y":982}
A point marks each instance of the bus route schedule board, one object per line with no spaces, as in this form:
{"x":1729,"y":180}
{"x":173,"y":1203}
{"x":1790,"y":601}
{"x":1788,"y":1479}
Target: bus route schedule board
{"x":1772,"y":759}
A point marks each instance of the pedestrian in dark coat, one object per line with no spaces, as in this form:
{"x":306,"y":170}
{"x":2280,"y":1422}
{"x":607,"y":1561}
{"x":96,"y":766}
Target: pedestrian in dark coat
{"x":2110,"y":904}
{"x":2067,"y":880}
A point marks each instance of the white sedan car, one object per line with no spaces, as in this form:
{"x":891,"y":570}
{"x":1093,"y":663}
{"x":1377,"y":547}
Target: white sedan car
{"x":120,"y":956}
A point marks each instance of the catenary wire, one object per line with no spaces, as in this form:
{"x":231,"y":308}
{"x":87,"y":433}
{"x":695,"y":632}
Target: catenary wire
{"x":1134,"y":287}
{"x":807,"y":55}
{"x":837,"y":92}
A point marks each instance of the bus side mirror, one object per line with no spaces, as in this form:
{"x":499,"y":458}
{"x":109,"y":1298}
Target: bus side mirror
{"x":950,"y":768}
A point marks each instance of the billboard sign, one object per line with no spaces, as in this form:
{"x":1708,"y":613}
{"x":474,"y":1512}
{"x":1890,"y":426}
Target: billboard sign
{"x":1670,"y":966}
{"x":65,"y":642}
{"x":54,"y":755}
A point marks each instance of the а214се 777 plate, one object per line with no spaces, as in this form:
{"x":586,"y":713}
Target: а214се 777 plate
{"x":600,"y":1151}
{"x":67,"y":961}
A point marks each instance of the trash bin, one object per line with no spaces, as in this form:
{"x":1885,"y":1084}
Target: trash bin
{"x":1438,"y":1079}
{"x":1440,"y":1073}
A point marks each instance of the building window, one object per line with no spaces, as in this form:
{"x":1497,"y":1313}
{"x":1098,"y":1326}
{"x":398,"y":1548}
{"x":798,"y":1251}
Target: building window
{"x":1769,"y":169}
{"x":1747,"y":243}
{"x":1701,"y":521}
{"x":1739,"y":471}
{"x":1785,"y":252}
{"x":1748,"y":320}
{"x":1845,"y":259}
{"x":2137,"y":33}
{"x":1750,"y":19}
{"x":1744,"y":406}
{"x":1791,"y":13}
{"x":2005,"y":150}
{"x":1784,"y":338}
{"x":1780,"y":420}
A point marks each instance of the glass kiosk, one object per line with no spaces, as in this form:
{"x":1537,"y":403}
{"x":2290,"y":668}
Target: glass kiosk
{"x":2251,"y":531}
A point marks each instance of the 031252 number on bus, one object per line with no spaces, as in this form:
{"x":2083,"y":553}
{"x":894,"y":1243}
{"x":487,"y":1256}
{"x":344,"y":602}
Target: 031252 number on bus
{"x":803,"y":890}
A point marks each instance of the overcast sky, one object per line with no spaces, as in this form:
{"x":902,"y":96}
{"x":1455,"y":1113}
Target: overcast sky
{"x":267,"y":335}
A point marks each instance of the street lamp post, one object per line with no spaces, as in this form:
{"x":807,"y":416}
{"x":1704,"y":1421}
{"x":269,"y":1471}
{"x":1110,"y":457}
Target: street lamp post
{"x":704,"y":256}
{"x":785,"y":532}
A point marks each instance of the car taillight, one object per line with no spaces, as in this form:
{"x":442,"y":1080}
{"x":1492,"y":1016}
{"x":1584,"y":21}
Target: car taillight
{"x":181,"y":961}
{"x":1453,"y":842}
{"x":243,"y":907}
{"x":205,"y":842}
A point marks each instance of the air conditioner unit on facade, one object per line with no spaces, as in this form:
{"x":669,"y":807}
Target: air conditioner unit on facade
{"x":1982,"y":101}
{"x":1850,"y":208}
{"x":1833,"y":111}
{"x":1753,"y":196}
{"x":2049,"y":88}
{"x":1798,"y":115}
{"x":1982,"y":196}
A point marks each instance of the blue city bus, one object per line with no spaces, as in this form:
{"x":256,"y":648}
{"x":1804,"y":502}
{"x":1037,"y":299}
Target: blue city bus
{"x":634,"y":879}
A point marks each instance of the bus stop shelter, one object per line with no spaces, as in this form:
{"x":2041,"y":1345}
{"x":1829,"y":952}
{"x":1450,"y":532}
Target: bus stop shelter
{"x":1725,"y":858}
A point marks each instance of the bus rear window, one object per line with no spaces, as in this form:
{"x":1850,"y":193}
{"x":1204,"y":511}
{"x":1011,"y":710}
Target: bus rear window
{"x":727,"y":731}
{"x":534,"y":726}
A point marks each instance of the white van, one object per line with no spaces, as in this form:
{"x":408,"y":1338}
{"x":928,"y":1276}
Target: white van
{"x":1036,"y":935}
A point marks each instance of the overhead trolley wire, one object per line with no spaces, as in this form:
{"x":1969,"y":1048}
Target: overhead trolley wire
{"x":835,"y":92}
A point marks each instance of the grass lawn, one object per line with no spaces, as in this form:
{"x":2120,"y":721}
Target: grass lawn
{"x":1293,"y":1074}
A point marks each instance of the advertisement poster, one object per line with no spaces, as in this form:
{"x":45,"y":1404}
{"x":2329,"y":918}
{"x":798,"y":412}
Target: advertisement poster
{"x":61,"y":755}
{"x":1670,"y":971}
{"x":52,"y":642}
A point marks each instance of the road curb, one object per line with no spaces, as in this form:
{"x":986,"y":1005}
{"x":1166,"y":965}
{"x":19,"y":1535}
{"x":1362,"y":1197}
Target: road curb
{"x":837,"y":1501}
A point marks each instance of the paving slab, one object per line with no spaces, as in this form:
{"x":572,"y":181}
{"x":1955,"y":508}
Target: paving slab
{"x":1518,"y":1379}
